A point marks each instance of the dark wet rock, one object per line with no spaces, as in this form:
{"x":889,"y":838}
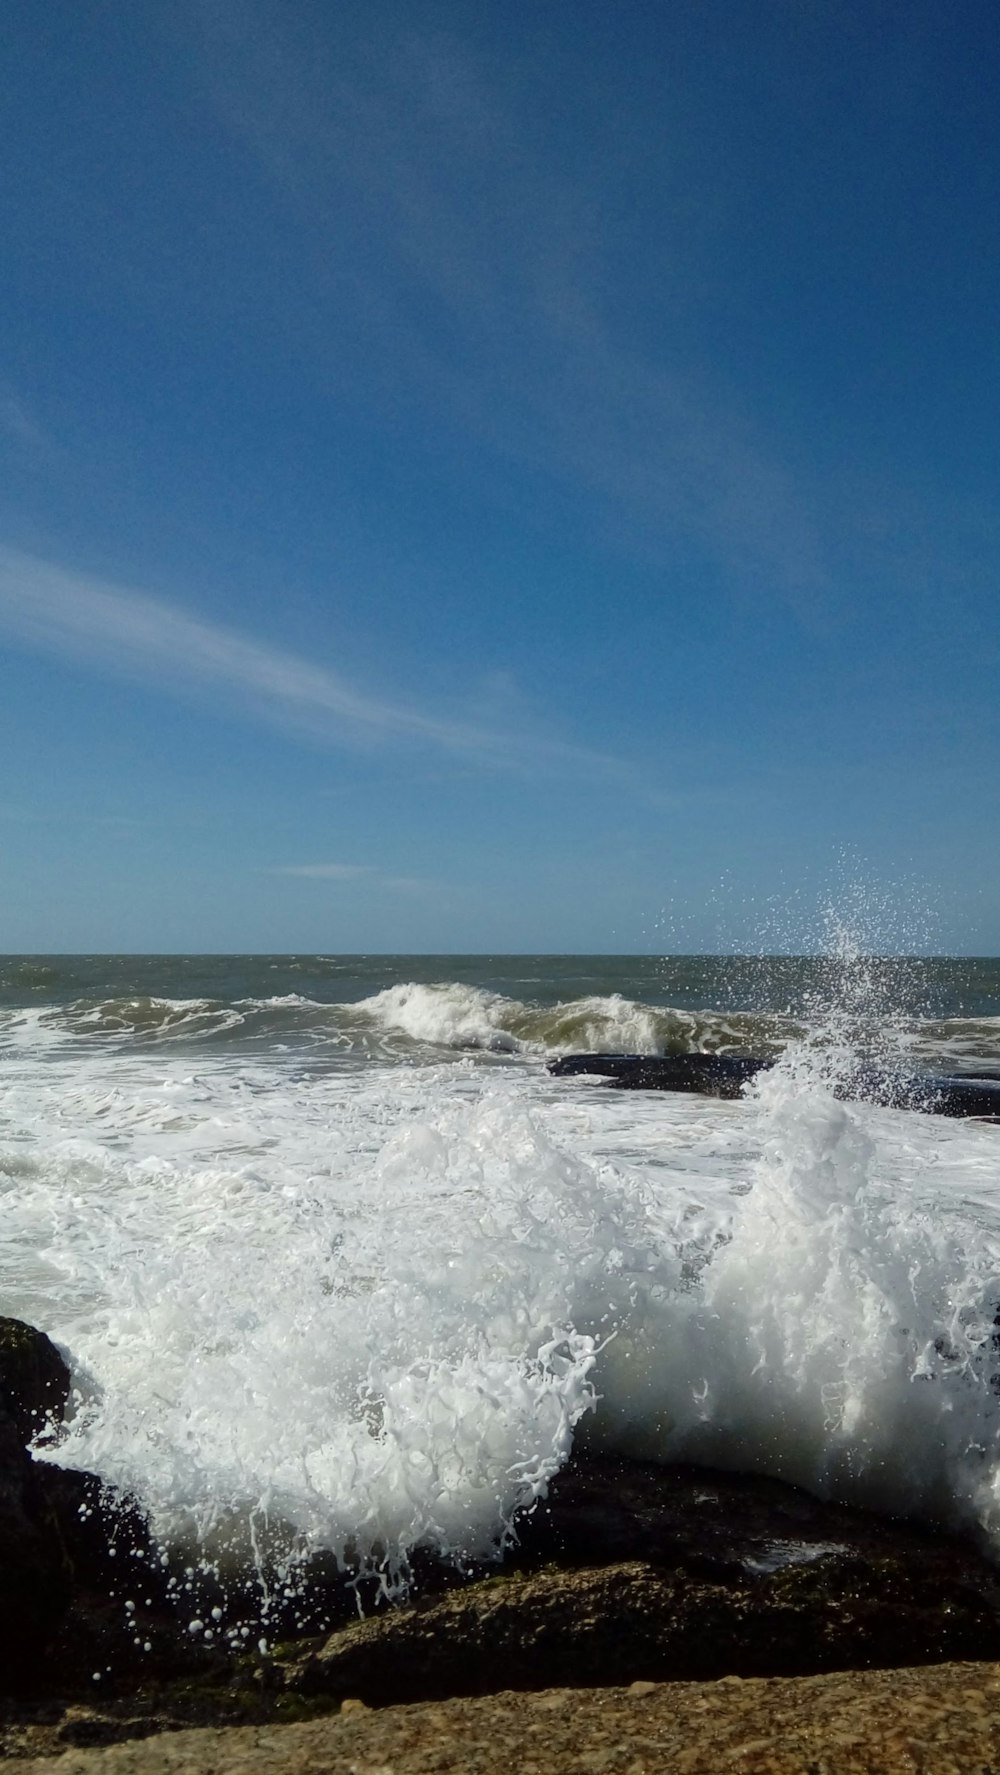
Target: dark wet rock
{"x":34,"y":1378}
{"x":35,"y":1576}
{"x":105,"y":1535}
{"x":601,"y":1510}
{"x":704,"y":1075}
{"x":638,"y":1573}
{"x":634,"y":1622}
{"x":83,"y":1591}
{"x":35,"y":1580}
{"x":725,"y":1075}
{"x":121,"y":1623}
{"x":83,"y":1595}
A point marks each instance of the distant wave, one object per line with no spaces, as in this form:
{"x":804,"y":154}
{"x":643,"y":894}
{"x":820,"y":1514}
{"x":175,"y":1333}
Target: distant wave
{"x":413,"y":1020}
{"x":454,"y":1016}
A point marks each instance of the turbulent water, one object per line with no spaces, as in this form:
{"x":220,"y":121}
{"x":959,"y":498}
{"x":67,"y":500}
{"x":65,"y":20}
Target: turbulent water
{"x":336,"y":1261}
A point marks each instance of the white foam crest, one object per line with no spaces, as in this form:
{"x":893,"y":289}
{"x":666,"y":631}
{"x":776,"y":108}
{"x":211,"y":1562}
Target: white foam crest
{"x":972,"y":1044}
{"x":148,"y":1019}
{"x":30,"y":1029}
{"x":859,"y":1324}
{"x":283,"y":1001}
{"x":446,"y":1014}
{"x":610,"y":1024}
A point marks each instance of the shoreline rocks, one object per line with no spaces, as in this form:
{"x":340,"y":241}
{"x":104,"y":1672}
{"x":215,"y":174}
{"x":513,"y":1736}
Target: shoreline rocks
{"x":627,"y":1573}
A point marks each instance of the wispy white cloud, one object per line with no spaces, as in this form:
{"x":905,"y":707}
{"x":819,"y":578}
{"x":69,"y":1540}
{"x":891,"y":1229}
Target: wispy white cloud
{"x":77,"y":816}
{"x":19,"y":424}
{"x":374,"y":878}
{"x":429,"y":142}
{"x":322,"y":871}
{"x":133,"y":634}
{"x":411,"y":884}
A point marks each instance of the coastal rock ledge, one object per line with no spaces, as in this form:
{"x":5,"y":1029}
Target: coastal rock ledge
{"x":939,"y":1721}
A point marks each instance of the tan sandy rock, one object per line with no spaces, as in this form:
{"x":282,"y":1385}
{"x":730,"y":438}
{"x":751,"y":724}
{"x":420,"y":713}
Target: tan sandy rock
{"x":941,"y":1720}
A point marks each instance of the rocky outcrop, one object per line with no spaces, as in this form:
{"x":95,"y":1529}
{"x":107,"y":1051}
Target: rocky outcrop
{"x":725,"y":1075}
{"x":667,"y":1574}
{"x":723,"y":1525}
{"x":35,"y":1580}
{"x":630,"y":1622}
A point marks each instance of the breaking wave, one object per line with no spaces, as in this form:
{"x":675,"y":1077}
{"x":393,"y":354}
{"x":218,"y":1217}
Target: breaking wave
{"x":413,"y":1020}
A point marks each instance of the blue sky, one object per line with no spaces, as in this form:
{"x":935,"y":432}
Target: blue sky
{"x":516,"y":477}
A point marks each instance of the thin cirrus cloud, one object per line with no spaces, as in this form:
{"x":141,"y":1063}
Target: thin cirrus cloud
{"x":535,"y":370}
{"x":134,"y":635}
{"x":322,"y":871}
{"x":399,"y":884}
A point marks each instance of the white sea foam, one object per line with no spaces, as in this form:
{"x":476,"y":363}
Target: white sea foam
{"x":842,"y":1332}
{"x":282,"y":1001}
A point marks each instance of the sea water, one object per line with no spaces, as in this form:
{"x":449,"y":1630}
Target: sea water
{"x":340,"y":1268}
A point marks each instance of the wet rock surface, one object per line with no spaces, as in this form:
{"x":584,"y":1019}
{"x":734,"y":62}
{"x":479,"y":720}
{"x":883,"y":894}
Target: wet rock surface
{"x":638,"y":1572}
{"x":732,"y":1526}
{"x":35,"y":1579}
{"x":71,"y":1550}
{"x":35,"y":1573}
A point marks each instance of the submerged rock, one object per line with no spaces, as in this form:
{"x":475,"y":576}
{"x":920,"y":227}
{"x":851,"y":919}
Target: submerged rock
{"x":725,"y":1075}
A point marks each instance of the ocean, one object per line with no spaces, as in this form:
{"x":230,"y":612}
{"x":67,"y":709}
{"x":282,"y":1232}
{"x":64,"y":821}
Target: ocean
{"x":339,"y":1267}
